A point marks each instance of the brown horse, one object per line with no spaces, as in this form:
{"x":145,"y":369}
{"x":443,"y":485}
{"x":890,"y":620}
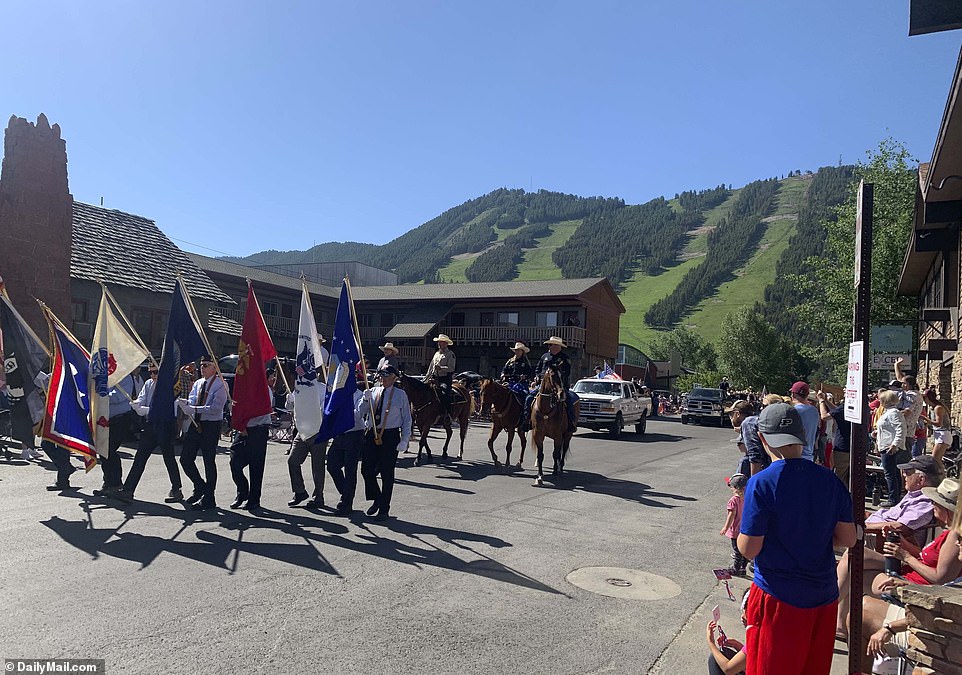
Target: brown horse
{"x":427,"y":410}
{"x":506,"y":412}
{"x":549,"y":418}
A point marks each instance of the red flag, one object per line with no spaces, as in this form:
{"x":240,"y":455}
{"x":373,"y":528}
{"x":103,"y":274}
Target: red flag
{"x":251,"y":397}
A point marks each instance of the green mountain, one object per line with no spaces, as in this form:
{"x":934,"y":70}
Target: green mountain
{"x":690,"y":260}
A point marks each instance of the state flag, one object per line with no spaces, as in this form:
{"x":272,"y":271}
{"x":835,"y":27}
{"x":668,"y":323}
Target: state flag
{"x":251,"y":395}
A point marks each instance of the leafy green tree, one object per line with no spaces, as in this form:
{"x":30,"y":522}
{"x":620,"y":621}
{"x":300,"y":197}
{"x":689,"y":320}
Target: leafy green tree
{"x":754,"y":354}
{"x":827,"y":281}
{"x":695,"y":351}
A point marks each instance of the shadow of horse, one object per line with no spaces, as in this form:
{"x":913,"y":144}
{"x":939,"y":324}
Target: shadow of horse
{"x":628,"y":490}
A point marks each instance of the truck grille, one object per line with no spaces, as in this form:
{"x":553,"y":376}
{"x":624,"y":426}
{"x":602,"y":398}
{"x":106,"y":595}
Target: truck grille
{"x":590,"y":406}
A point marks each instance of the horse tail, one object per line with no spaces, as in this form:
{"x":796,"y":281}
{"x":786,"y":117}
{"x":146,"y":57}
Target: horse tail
{"x":470,"y":405}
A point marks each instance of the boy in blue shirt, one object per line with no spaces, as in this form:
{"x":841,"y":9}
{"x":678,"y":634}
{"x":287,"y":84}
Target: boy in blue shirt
{"x":794,"y":512}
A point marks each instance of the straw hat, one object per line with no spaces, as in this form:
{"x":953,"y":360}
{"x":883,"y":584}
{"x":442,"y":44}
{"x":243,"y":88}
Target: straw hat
{"x":444,"y":338}
{"x":555,"y":340}
{"x":520,"y":345}
{"x":388,"y":346}
{"x":945,"y":495}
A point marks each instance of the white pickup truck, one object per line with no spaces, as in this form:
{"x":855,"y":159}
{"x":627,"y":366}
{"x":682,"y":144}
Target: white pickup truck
{"x":612,"y":405}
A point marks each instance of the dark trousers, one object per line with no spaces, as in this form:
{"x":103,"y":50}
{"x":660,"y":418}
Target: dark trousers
{"x":713,"y":667}
{"x":380,"y":460}
{"x":249,"y":451}
{"x":342,"y":459}
{"x":61,"y":459}
{"x":893,"y":477}
{"x":739,"y":562}
{"x":149,"y":439}
{"x":300,"y":449}
{"x":119,"y":431}
{"x":205,"y":441}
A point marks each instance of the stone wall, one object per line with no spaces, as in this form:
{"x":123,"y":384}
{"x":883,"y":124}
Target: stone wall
{"x":935,"y":633}
{"x":36,"y":220}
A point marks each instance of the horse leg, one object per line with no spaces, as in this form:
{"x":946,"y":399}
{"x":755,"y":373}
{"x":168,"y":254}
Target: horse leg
{"x":556,"y":457}
{"x":492,"y":437}
{"x":507,"y":458}
{"x":524,"y":441}
{"x":463,"y":424}
{"x":538,"y":441}
{"x":447,"y":440}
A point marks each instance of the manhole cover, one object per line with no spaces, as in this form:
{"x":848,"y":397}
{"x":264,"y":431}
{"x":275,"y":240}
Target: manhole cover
{"x":621,"y":582}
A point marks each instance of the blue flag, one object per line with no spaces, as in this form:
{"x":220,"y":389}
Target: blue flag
{"x":183,"y":344}
{"x":23,"y":359}
{"x":342,"y":380}
{"x":67,"y":422}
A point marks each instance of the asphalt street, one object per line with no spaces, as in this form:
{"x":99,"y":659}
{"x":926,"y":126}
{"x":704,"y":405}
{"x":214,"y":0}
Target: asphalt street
{"x":469,"y":576}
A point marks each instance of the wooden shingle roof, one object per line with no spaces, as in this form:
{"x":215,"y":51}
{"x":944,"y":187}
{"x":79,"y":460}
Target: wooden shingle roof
{"x":122,"y":249}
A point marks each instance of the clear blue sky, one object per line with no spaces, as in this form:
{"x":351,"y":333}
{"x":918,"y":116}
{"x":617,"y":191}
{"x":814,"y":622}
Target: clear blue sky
{"x":243,"y":125}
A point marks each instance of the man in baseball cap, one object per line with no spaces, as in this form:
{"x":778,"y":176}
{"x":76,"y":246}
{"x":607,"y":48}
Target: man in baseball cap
{"x":794,"y":512}
{"x":809,"y":416}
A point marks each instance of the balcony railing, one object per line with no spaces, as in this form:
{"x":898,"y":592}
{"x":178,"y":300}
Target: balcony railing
{"x":277,"y":325}
{"x":573,"y":336}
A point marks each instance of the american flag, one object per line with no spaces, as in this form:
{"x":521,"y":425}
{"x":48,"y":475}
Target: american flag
{"x":609,"y":374}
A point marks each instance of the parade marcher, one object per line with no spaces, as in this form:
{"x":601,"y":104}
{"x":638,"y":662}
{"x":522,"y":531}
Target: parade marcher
{"x":59,"y":456}
{"x":390,"y":357}
{"x":556,"y":359}
{"x":387,"y":432}
{"x":441,"y":369}
{"x":149,"y":439}
{"x":299,"y":451}
{"x":517,"y":371}
{"x":205,"y":405}
{"x":248,"y":448}
{"x":119,"y":419}
{"x":343,"y":457}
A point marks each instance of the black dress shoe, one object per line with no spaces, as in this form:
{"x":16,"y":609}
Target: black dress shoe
{"x":194,"y":497}
{"x":203,"y":506}
{"x":372,"y":509}
{"x":123,"y":495}
{"x":238,"y":503}
{"x":58,"y":487}
{"x":253,"y":506}
{"x":343,"y":510}
{"x":381,"y":516}
{"x":315,"y":503}
{"x":175,"y":495}
{"x":298,"y":498}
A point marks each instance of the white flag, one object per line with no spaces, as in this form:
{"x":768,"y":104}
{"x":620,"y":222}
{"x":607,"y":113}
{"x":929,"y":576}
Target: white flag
{"x":113,"y":356}
{"x":309,"y":381}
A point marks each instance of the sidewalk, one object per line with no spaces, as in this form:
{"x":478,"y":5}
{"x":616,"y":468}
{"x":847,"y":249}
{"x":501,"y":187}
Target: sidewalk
{"x":688,"y":652}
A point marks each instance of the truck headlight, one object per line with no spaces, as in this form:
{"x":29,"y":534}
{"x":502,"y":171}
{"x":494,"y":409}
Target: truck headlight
{"x":716,"y":407}
{"x":607,"y":408}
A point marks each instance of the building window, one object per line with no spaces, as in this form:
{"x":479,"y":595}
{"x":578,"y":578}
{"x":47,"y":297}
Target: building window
{"x":487,"y":318}
{"x":548,"y":319}
{"x":150,"y":324}
{"x":364,"y":320}
{"x":80,"y":310}
{"x":287,"y":310}
{"x":456,"y":319}
{"x":270,"y":308}
{"x":387,"y":319}
{"x":507,"y":318}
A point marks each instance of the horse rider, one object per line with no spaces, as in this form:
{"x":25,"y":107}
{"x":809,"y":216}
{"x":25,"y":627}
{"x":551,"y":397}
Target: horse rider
{"x":441,"y":370}
{"x":389,"y":358}
{"x":517,"y":371}
{"x":557,"y":360}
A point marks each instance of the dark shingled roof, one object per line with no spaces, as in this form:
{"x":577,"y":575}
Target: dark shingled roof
{"x":258,"y":275}
{"x":219,"y":323}
{"x":122,"y":249}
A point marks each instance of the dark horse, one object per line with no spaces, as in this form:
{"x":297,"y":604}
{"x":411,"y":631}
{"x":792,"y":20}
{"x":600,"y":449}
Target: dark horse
{"x":549,"y":418}
{"x":506,"y":412}
{"x":427,"y":410}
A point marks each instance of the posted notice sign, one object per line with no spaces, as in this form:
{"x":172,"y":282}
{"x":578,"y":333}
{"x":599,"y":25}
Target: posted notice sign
{"x":854,"y":396}
{"x":887,"y":361}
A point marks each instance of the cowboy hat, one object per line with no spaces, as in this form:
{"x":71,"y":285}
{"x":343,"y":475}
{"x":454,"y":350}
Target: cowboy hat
{"x":444,"y":338}
{"x":555,"y":340}
{"x":388,"y":346}
{"x":945,"y":495}
{"x":520,"y":345}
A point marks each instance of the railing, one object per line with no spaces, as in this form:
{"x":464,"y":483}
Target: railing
{"x":414,"y":358}
{"x":573,"y":336}
{"x":277,"y":325}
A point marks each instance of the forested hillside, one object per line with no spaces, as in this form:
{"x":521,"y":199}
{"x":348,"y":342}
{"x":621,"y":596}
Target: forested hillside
{"x":682,"y":261}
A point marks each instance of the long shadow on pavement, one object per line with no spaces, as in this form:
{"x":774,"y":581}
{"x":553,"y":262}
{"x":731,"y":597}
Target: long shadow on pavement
{"x":613,"y":487}
{"x":223,"y":552}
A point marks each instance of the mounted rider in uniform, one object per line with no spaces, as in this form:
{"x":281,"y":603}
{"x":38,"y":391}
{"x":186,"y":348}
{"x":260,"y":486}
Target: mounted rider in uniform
{"x":441,"y":370}
{"x":559,"y":361}
{"x":517,"y":371}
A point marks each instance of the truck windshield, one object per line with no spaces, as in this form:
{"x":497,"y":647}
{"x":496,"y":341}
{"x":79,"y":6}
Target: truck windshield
{"x":710,"y":394}
{"x":605,"y":388}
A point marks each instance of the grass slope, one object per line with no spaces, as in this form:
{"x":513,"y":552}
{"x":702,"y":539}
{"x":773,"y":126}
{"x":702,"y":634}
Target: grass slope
{"x":709,"y":316}
{"x":640,"y":293}
{"x":537,"y":263}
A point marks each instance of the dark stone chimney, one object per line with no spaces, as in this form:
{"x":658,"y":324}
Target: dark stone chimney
{"x":36,"y":220}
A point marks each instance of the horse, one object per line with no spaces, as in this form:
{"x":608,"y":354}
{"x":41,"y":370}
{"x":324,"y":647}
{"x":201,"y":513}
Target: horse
{"x":549,"y":418}
{"x":427,"y":410}
{"x":506,"y":414}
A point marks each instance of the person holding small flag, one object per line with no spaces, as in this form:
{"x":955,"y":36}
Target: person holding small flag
{"x":387,"y":432}
{"x":205,"y":406}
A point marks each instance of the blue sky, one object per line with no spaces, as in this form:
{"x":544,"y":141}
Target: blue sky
{"x":242,"y":126}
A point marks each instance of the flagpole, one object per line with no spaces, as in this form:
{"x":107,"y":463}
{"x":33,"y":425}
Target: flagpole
{"x":129,"y":326}
{"x":307,"y":293}
{"x":200,"y":331}
{"x":360,"y":354}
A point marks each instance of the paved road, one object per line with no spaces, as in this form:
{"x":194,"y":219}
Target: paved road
{"x":470,"y":577}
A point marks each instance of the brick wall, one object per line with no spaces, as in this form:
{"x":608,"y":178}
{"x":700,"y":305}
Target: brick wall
{"x":36,"y":219}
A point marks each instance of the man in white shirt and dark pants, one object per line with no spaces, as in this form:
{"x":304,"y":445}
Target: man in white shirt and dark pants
{"x":205,"y":404}
{"x":387,"y":432}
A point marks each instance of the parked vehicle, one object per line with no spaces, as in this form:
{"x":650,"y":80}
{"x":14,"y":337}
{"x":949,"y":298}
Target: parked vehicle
{"x":612,"y":405}
{"x":703,"y":404}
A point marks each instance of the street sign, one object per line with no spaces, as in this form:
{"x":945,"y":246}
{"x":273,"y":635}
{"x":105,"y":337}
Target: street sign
{"x":854,"y":401}
{"x":887,"y":361}
{"x":891,"y":338}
